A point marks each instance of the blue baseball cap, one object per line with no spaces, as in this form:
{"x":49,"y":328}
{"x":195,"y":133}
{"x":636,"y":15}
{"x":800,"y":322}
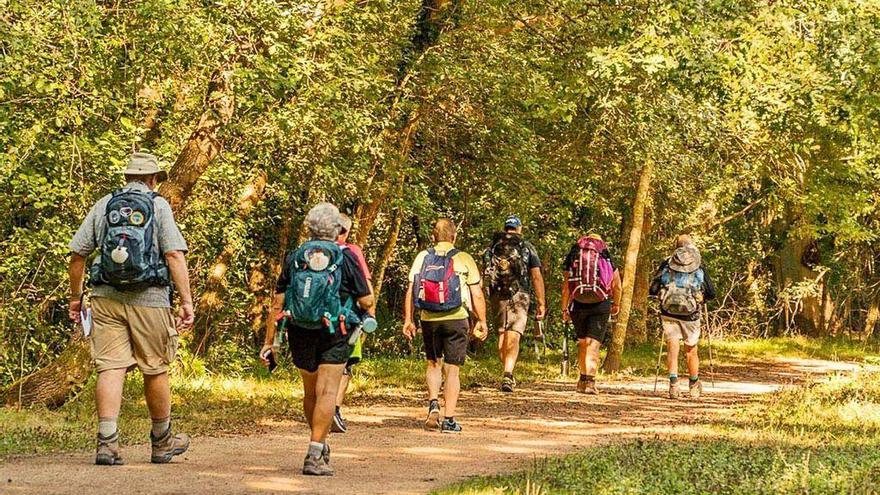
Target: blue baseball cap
{"x":513,"y":222}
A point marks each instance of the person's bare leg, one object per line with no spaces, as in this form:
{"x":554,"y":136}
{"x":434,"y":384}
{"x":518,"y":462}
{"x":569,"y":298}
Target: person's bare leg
{"x":108,"y":392}
{"x":326,"y":387}
{"x":501,"y":347}
{"x":693,"y":360}
{"x":582,"y":356}
{"x":157,"y":392}
{"x":672,"y":356}
{"x":343,"y":388}
{"x":453,"y":387}
{"x":591,"y":364}
{"x":434,"y":379}
{"x":511,"y":350}
{"x":310,"y":380}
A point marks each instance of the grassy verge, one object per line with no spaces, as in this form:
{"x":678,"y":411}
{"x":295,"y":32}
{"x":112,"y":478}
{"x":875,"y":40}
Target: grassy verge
{"x":823,"y":438}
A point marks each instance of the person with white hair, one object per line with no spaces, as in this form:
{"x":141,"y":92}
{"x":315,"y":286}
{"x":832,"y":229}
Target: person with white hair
{"x":315,"y":299}
{"x":682,"y":286}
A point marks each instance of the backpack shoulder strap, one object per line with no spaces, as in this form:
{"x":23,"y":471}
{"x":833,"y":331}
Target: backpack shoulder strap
{"x":451,"y":253}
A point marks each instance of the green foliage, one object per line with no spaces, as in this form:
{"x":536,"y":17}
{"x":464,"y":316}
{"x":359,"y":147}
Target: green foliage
{"x":760,"y":118}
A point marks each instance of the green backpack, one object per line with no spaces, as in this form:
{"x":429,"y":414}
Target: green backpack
{"x":313,"y":298}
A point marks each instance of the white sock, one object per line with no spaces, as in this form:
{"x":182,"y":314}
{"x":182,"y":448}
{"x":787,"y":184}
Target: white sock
{"x":160,"y":426}
{"x":107,"y":427}
{"x":316,"y":449}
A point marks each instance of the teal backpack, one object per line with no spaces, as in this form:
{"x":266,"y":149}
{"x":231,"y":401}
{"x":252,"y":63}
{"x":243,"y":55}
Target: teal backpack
{"x":313,"y":298}
{"x":130,"y":258}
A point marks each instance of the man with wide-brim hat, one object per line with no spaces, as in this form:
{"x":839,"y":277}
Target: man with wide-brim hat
{"x":683,"y":286}
{"x":140,"y":254}
{"x":144,"y":165}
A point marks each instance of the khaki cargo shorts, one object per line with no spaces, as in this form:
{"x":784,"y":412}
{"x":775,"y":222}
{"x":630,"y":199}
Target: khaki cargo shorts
{"x":124,"y":336}
{"x":512,"y":315}
{"x":689,"y":331}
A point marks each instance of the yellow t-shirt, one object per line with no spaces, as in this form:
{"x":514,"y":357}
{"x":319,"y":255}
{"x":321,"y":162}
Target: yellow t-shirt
{"x":467,"y":272}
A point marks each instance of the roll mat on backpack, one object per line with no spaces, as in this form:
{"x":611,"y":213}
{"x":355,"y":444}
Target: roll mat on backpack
{"x":129,"y":256}
{"x":506,"y":264}
{"x":590,"y":274}
{"x":437,"y":287}
{"x":312,"y":298}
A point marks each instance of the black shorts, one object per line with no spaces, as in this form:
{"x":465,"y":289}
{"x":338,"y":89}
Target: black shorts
{"x":588,"y":324}
{"x":446,"y":340}
{"x":311,"y":348}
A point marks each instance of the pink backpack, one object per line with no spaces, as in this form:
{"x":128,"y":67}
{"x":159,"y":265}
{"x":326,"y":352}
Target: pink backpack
{"x":590,"y":274}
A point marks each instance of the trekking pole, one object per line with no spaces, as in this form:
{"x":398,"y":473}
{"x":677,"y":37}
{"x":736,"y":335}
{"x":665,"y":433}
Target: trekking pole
{"x":659,"y":356}
{"x":709,"y":338}
{"x":564,"y":350}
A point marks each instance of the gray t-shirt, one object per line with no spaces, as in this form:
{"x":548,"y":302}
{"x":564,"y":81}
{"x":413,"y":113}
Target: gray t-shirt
{"x":168,"y":238}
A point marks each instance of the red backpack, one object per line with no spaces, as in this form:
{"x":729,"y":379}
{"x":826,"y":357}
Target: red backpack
{"x":437,"y":287}
{"x":590,"y":274}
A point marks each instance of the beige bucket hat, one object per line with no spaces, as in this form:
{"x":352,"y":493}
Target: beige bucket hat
{"x":144,"y":164}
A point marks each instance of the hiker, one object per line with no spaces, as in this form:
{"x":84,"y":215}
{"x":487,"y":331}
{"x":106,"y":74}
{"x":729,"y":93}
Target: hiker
{"x":512,"y":269}
{"x":590,"y":295}
{"x":317,"y":327}
{"x":339,"y":425}
{"x":682,"y":286}
{"x":140,"y":252}
{"x":443,"y":284}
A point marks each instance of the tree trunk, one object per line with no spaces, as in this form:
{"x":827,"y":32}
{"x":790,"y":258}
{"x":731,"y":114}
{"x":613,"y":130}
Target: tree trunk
{"x":872,"y":317}
{"x":211,"y":300}
{"x":203,"y":144}
{"x":613,"y":360}
{"x":803,"y":313}
{"x":638,"y":323}
{"x":366,"y":216}
{"x":387,"y":252}
{"x":52,"y":384}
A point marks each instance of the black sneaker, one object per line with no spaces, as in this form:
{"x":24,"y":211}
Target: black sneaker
{"x":507,"y":384}
{"x":338,"y":425}
{"x":450,"y":426}
{"x":432,"y":422}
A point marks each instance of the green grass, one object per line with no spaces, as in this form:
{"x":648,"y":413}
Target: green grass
{"x":819,"y":439}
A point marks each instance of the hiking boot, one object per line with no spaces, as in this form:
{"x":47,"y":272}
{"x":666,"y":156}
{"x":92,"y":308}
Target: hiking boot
{"x":338,"y":425}
{"x":107,"y":452}
{"x":450,"y":426}
{"x":590,"y":388}
{"x":167,"y":446}
{"x":673,"y":390}
{"x":316,"y":466}
{"x":325,"y":454}
{"x":432,"y":422}
{"x":581,"y":386}
{"x":696,"y":389}
{"x":507,"y":384}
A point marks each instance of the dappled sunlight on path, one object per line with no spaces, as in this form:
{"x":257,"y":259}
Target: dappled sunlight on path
{"x":387,"y":451}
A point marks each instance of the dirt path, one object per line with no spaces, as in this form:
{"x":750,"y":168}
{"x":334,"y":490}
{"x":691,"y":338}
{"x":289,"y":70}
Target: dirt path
{"x":386,"y":450}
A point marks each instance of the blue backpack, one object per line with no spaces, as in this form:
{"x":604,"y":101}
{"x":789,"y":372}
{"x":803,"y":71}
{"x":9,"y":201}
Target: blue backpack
{"x":681,"y":293}
{"x":313,"y":298}
{"x":130,"y":258}
{"x":437,"y":287}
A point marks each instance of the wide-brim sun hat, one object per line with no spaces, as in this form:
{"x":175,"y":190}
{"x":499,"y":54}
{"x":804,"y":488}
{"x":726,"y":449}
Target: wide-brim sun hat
{"x":685,"y":259}
{"x":145,"y":164}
